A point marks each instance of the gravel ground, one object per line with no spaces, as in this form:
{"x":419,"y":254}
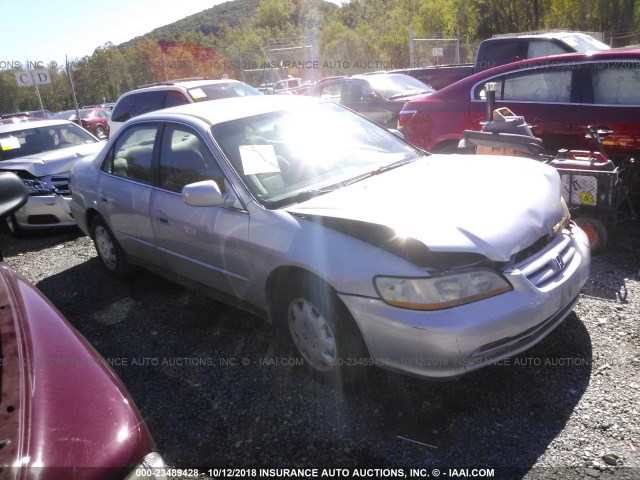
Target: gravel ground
{"x":217,"y":391}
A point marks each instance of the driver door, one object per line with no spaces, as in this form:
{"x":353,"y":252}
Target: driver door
{"x":203,"y":244}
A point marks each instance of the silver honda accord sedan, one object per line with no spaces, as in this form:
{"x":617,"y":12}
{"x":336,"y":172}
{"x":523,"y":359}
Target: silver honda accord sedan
{"x":359,"y":248}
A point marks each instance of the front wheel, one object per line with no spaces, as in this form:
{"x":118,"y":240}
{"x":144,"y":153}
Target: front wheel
{"x":323,"y":332}
{"x":109,"y":250}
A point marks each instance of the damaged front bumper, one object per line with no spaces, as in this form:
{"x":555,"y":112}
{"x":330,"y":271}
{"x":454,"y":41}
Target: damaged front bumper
{"x":449,"y":343}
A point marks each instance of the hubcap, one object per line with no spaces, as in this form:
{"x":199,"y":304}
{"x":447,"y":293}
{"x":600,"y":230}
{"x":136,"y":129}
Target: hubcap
{"x":105,"y":247}
{"x":312,"y":335}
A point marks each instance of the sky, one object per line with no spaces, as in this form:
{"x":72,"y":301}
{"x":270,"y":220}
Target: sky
{"x":45,"y":31}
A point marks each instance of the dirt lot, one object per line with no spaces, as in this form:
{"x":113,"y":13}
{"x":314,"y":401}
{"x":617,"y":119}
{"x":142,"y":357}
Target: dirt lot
{"x":217,"y":391}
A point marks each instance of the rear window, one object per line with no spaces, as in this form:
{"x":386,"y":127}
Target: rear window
{"x":616,"y":83}
{"x":136,"y":104}
{"x":500,"y":53}
{"x":217,"y":91}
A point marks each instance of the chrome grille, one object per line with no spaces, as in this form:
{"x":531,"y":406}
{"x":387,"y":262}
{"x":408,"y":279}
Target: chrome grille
{"x":61,"y":184}
{"x":544,"y":269}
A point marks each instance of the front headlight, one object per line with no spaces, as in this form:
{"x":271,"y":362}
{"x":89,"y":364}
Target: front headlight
{"x":564,"y":221}
{"x":445,"y":291}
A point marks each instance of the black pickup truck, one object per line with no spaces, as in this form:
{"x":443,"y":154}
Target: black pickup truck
{"x":500,"y":50}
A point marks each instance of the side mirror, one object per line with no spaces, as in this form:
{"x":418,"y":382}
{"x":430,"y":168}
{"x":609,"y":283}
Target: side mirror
{"x":203,"y":194}
{"x":13,"y":193}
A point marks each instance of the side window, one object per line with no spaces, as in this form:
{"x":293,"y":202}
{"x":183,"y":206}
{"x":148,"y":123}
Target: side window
{"x":174,"y":98}
{"x":137,"y":104}
{"x":132,"y":154}
{"x":551,"y":86}
{"x":499,"y":53}
{"x":543,"y":48}
{"x":355,"y":92}
{"x":616,"y":83}
{"x":185,"y":159}
{"x":332,"y":92}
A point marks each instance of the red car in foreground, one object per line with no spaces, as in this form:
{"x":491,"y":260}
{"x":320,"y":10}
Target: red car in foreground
{"x":557,"y":95}
{"x":65,"y":413}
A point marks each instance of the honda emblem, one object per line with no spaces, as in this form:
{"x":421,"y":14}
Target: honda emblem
{"x":559,"y":262}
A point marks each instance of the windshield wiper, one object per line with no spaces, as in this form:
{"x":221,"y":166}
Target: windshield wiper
{"x":379,"y":170}
{"x":408,"y":94}
{"x":306,"y":195}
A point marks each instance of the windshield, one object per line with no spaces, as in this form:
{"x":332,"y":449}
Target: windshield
{"x":31,"y":141}
{"x":217,"y":91}
{"x":584,"y":43}
{"x":284,"y":157}
{"x":397,"y":85}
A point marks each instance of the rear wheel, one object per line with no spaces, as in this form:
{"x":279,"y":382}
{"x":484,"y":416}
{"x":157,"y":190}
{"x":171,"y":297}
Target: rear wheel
{"x":447,"y":147}
{"x":596,"y":233}
{"x":109,"y":250}
{"x":322,"y":331}
{"x":100,"y":132}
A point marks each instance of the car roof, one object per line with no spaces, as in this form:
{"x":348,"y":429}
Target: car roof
{"x":16,"y":127}
{"x":557,"y":34}
{"x":183,"y":84}
{"x":227,"y":109}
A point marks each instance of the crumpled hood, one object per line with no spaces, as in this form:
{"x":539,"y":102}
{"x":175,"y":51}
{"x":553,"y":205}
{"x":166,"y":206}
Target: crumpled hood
{"x":52,"y":162}
{"x":491,"y":205}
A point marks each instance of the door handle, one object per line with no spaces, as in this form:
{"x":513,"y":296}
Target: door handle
{"x":162,"y":218}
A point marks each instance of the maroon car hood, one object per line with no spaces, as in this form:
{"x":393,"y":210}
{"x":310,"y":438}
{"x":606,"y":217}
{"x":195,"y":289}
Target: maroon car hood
{"x":61,"y":405}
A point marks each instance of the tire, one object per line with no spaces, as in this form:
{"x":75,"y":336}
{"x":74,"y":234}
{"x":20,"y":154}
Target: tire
{"x":100,"y":132}
{"x":448,"y":147}
{"x":320,"y":329}
{"x":12,"y":226}
{"x":596,"y":232}
{"x":109,"y":250}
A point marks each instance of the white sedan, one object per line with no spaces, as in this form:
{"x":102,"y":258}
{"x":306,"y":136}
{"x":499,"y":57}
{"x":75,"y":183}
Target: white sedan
{"x":361,"y":249}
{"x":42,"y":153}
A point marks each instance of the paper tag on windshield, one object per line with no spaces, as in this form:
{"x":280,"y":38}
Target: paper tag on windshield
{"x":9,"y":143}
{"x":197,"y":93}
{"x":258,"y":159}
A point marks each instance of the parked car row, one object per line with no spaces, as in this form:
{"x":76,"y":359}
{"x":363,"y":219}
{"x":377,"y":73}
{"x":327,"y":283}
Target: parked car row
{"x":42,"y":153}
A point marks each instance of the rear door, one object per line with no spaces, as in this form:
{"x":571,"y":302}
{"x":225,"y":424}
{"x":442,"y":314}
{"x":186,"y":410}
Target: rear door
{"x":124,"y":188}
{"x":612,"y":101}
{"x":547,"y":97}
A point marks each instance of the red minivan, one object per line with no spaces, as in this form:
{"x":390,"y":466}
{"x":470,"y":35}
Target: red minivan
{"x":558,"y":96}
